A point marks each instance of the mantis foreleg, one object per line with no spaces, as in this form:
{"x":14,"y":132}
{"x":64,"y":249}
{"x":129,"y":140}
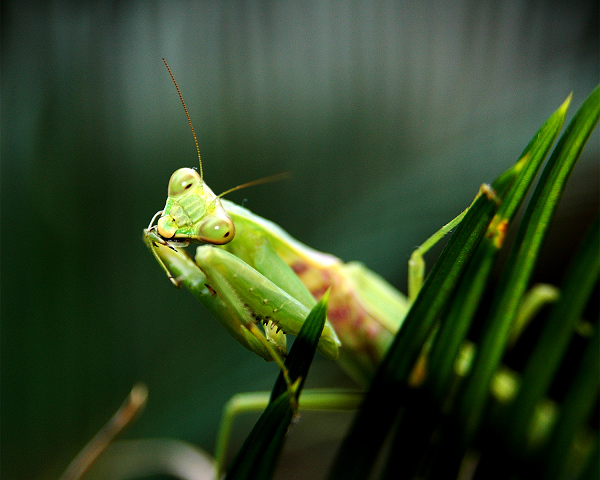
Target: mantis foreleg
{"x":240,"y":296}
{"x":416,"y":264}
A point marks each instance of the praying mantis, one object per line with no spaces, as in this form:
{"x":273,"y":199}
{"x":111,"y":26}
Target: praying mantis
{"x":249,"y":273}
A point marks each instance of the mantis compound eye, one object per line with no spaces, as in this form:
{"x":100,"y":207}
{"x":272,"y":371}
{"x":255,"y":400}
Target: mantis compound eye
{"x":217,"y":229}
{"x":183,"y":180}
{"x":167,"y":228}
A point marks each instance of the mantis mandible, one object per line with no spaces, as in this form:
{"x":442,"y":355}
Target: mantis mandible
{"x":249,"y":272}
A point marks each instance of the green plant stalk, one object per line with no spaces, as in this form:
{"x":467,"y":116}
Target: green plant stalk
{"x":520,"y":264}
{"x":303,"y":351}
{"x":388,"y":392}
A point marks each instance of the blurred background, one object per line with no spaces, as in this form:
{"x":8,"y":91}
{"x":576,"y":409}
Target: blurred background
{"x":389,"y":115}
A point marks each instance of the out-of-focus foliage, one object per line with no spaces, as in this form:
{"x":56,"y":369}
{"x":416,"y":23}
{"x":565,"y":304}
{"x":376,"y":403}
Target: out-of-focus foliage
{"x":388,"y":115}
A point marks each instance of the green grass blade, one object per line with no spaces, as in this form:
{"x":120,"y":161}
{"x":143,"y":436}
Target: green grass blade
{"x":520,"y":264}
{"x":592,"y":468}
{"x":466,"y":301}
{"x":257,"y":458}
{"x":554,"y":340}
{"x":415,"y":429}
{"x":303,"y":350}
{"x":389,"y":392}
{"x":581,"y":399}
{"x":371,"y":425}
{"x":441,"y":282}
{"x":258,"y":455}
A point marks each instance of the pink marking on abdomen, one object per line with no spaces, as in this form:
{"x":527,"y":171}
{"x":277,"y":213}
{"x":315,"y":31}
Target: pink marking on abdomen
{"x":299,"y":268}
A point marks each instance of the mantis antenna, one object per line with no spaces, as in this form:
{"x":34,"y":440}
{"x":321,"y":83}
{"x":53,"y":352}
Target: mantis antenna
{"x":187,"y":115}
{"x":271,"y":178}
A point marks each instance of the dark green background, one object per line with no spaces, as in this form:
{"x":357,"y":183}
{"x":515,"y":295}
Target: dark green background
{"x":389,"y":115}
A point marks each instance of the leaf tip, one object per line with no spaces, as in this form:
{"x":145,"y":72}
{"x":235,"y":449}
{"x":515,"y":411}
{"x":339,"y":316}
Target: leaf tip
{"x":565,"y":105}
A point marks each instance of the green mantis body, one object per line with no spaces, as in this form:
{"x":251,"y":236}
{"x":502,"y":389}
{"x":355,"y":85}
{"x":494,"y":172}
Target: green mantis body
{"x":249,"y":273}
{"x":263,"y":274}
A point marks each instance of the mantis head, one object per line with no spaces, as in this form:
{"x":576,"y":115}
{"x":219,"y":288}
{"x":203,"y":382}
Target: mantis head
{"x":193,"y":213}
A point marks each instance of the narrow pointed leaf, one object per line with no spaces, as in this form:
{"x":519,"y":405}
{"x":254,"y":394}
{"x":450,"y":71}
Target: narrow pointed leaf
{"x":371,"y":425}
{"x":578,"y":405}
{"x":257,"y":458}
{"x":415,"y":429}
{"x":515,"y":278}
{"x":389,"y":390}
{"x":554,"y":340}
{"x":456,"y":326}
{"x":303,"y":350}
